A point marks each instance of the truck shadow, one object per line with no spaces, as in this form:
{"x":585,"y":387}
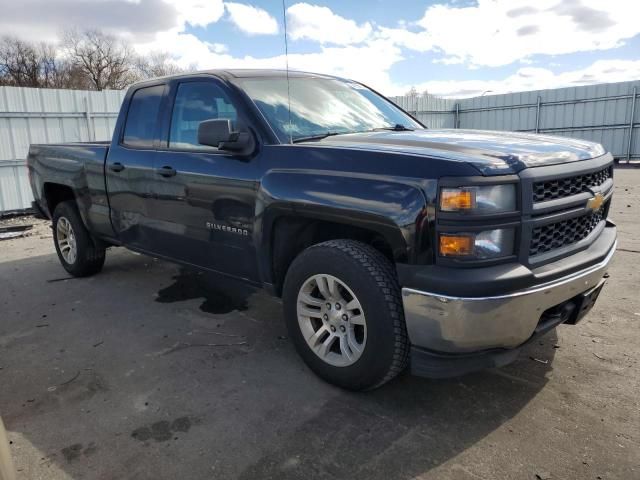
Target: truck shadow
{"x":409,"y":426}
{"x":285,"y":422}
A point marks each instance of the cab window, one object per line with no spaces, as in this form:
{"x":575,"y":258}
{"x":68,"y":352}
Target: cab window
{"x":142,"y":117}
{"x":196,"y":102}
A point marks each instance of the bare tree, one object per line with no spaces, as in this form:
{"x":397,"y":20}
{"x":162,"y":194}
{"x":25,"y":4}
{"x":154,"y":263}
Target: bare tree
{"x":24,"y":64}
{"x":412,"y":92}
{"x":19,"y":63}
{"x":107,"y":61}
{"x":87,"y":60}
{"x":156,"y":64}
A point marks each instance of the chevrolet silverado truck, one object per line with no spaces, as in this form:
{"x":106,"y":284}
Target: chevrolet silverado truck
{"x":390,"y":244}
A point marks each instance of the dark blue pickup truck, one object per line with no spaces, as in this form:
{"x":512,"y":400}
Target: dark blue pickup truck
{"x":390,"y":244}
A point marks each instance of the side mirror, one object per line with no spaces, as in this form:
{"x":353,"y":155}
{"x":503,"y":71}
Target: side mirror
{"x":217,"y":133}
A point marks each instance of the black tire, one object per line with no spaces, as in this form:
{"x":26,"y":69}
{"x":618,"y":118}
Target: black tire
{"x":90,"y":256}
{"x":372,"y":278}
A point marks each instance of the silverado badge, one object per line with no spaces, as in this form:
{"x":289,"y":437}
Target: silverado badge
{"x":596,"y":202}
{"x":226,"y":228}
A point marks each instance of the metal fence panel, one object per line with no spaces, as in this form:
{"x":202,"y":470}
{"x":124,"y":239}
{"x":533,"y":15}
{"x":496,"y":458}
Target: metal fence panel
{"x":601,"y":113}
{"x":433,"y":111}
{"x":32,"y":115}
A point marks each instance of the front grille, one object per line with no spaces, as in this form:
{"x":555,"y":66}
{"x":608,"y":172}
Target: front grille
{"x":565,"y":232}
{"x":565,"y":187}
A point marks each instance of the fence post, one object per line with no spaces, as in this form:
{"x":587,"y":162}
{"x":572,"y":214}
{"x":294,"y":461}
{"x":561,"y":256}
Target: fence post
{"x":538,"y":115}
{"x":87,"y":112}
{"x":633,"y":112}
{"x":456,"y":123}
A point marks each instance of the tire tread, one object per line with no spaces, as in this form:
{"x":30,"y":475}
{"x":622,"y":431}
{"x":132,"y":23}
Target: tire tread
{"x":91,"y":256}
{"x":384,"y":274}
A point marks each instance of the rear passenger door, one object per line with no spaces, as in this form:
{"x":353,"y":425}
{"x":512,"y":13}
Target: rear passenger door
{"x":204,"y":198}
{"x":129,"y":166}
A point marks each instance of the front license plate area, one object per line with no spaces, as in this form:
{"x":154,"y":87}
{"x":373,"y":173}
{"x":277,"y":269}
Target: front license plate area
{"x":585,"y":302}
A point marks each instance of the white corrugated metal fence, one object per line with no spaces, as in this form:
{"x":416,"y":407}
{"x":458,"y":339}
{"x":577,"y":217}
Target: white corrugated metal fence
{"x":32,"y":115}
{"x":606,"y":113}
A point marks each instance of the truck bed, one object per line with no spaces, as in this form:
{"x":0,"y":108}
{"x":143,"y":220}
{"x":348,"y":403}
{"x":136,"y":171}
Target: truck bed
{"x":78,"y":166}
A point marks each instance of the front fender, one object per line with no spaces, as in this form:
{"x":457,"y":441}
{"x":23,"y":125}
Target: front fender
{"x":392,"y":208}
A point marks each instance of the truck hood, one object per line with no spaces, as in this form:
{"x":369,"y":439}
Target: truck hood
{"x":492,"y":153}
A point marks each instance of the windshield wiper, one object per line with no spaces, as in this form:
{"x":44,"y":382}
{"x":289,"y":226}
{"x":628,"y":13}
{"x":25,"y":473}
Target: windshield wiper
{"x":398,"y":127}
{"x":319,"y":136}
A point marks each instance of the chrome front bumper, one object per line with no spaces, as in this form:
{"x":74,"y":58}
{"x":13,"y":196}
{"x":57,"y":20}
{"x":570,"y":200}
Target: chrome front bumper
{"x":466,"y":324}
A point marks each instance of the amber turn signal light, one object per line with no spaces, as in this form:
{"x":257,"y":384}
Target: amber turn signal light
{"x":456,"y":245}
{"x":454,"y":199}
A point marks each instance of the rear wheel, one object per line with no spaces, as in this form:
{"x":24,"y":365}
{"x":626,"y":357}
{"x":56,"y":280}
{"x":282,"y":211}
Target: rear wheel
{"x":77,"y":251}
{"x":344,"y":314}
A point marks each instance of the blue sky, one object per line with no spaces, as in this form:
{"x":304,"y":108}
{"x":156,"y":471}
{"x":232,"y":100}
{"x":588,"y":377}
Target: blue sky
{"x":449,"y":48}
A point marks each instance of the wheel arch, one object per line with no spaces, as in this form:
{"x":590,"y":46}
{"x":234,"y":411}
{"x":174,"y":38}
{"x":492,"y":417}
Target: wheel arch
{"x":302,"y":209}
{"x":55,"y":193}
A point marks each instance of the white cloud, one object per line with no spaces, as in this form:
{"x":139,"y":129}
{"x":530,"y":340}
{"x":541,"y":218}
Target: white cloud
{"x":499,"y":32}
{"x":198,"y":13}
{"x":417,"y":41}
{"x":533,"y":78}
{"x":313,"y":22}
{"x":489,"y":33}
{"x":367,"y":53}
{"x":251,"y":20}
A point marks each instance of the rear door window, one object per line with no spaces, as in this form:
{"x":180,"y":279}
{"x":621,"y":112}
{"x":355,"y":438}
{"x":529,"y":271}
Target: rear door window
{"x":142,"y":117}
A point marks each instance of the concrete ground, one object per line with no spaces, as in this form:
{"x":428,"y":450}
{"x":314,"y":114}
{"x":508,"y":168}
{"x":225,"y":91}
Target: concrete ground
{"x":150,"y":371}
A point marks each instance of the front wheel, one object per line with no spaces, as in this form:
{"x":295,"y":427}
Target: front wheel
{"x":77,"y":251}
{"x":344,"y":314}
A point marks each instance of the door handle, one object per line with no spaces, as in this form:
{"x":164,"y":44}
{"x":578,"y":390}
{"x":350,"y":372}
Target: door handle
{"x":116,"y":167}
{"x":166,"y":171}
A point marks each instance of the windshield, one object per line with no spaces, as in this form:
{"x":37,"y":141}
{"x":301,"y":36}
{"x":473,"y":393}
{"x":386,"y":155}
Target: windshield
{"x":322,"y":106}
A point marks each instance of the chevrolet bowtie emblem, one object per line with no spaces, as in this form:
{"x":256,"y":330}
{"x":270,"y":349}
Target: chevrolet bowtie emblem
{"x":596,"y":202}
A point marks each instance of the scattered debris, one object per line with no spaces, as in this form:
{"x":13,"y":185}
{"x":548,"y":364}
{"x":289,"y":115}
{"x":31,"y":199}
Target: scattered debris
{"x":181,"y":346}
{"x":70,"y":380}
{"x":14,"y":231}
{"x":206,"y":332}
{"x":60,"y":279}
{"x":539,"y":361}
{"x":627,"y":250}
{"x":16,"y":228}
{"x":10,"y":235}
{"x":222,"y":334}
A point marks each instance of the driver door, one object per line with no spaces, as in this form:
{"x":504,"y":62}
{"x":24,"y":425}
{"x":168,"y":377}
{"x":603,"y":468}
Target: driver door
{"x":204,"y":198}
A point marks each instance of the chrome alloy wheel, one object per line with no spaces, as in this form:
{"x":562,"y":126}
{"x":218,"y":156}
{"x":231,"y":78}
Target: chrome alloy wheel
{"x":331,"y":320}
{"x":66,"y":239}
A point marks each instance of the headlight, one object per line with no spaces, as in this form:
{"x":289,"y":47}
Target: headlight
{"x":477,"y":246}
{"x":479,"y":199}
